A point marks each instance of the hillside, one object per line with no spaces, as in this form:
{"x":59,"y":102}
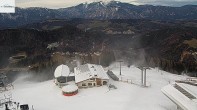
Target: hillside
{"x":168,"y":45}
{"x":34,"y":43}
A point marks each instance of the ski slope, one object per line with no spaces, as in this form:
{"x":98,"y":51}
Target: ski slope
{"x":47,"y":96}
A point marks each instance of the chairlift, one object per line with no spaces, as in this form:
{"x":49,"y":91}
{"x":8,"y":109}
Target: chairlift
{"x":8,"y":104}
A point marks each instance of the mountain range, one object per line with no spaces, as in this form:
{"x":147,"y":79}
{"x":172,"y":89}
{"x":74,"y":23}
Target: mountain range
{"x":99,"y":10}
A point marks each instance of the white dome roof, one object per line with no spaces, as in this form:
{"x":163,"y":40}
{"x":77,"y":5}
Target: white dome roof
{"x":61,"y":70}
{"x":69,"y":88}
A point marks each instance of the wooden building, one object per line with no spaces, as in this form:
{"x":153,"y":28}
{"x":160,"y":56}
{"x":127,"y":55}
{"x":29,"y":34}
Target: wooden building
{"x":90,"y":75}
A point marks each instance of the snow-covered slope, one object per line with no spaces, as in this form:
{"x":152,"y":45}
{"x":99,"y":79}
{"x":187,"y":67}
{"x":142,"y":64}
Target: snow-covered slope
{"x":47,"y":96}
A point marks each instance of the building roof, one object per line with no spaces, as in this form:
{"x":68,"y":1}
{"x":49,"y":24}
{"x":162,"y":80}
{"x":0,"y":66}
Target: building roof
{"x":182,"y":95}
{"x":69,"y":88}
{"x":87,"y":71}
{"x":61,"y":70}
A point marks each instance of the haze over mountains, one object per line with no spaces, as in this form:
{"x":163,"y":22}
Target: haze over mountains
{"x":99,"y":10}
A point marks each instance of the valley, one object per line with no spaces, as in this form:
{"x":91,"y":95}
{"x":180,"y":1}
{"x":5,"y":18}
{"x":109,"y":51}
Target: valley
{"x":141,"y":42}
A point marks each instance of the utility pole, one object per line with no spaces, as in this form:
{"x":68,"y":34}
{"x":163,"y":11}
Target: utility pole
{"x":99,"y":59}
{"x":120,"y":67}
{"x":143,"y":75}
{"x":145,"y":68}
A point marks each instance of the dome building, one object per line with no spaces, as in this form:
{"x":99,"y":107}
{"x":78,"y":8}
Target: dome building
{"x":62,"y":75}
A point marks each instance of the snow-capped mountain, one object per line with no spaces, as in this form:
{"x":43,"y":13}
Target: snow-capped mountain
{"x":28,"y":15}
{"x":102,"y":10}
{"x":119,"y":10}
{"x":99,"y":10}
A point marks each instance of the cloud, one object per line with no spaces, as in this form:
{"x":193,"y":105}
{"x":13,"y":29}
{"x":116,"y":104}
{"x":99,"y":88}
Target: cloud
{"x":47,"y":3}
{"x":168,"y":2}
{"x":68,"y":3}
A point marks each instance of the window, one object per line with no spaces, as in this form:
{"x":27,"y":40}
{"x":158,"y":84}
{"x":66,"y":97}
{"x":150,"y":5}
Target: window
{"x":89,"y":84}
{"x":92,"y":79}
{"x":83,"y":84}
{"x":104,"y":82}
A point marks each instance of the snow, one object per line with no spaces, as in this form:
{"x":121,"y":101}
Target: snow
{"x":98,"y":70}
{"x":116,"y":8}
{"x":69,"y":88}
{"x":127,"y":96}
{"x":61,"y":70}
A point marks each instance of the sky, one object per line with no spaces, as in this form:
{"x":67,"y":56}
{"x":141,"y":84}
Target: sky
{"x":54,"y":4}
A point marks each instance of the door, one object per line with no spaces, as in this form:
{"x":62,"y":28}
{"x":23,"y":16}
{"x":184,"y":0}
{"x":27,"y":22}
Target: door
{"x":98,"y":81}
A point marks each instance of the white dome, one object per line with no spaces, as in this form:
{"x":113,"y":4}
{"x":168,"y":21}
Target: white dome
{"x":69,"y":88}
{"x":61,"y":70}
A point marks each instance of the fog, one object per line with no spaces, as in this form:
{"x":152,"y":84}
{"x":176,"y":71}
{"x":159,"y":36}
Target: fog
{"x":22,"y":77}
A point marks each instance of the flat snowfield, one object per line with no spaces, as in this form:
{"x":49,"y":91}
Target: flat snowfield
{"x":127,"y":96}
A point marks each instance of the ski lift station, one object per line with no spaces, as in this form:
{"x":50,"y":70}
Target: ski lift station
{"x":184,"y":95}
{"x":87,"y":75}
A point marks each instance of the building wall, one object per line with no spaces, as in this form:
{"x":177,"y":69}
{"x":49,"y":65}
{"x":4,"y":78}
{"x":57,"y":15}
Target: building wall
{"x":60,"y":84}
{"x":69,"y":93}
{"x":92,"y":83}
